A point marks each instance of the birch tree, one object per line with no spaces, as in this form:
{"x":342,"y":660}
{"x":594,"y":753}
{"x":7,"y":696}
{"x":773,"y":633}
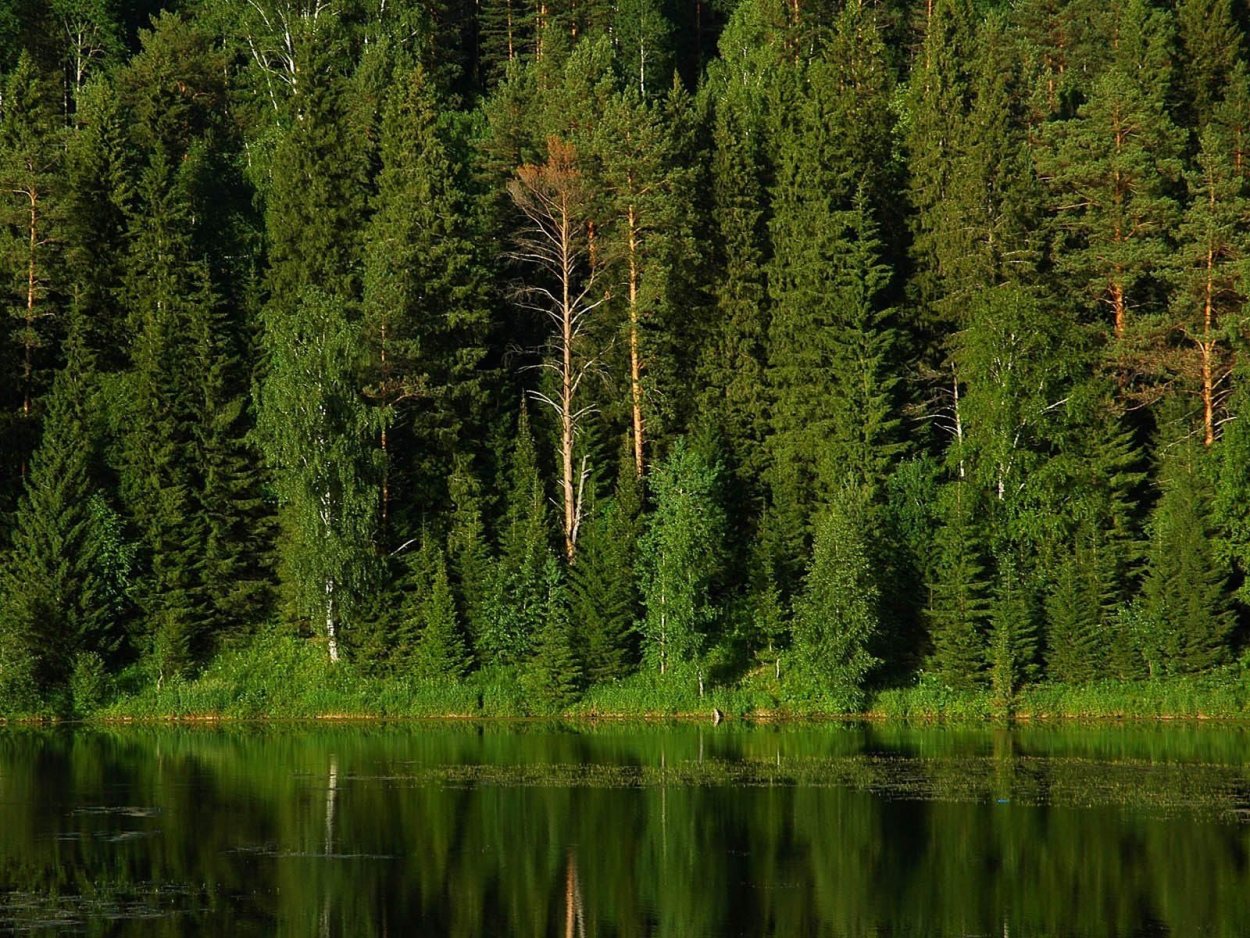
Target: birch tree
{"x":317,"y":433}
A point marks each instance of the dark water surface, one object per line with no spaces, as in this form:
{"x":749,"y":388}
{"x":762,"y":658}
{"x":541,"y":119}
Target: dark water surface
{"x":435,"y":829}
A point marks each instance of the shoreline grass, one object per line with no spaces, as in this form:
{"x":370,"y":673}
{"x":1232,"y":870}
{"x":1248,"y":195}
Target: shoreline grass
{"x":281,"y":679}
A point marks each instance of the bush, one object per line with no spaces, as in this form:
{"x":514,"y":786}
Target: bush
{"x":88,"y":683}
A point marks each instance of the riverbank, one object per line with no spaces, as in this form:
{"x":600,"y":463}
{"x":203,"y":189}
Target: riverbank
{"x":290,"y":680}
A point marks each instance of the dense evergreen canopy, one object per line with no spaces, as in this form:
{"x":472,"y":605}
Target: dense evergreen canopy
{"x":817,"y":348}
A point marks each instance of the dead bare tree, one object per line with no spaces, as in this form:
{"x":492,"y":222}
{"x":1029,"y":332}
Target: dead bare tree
{"x":557,"y":243}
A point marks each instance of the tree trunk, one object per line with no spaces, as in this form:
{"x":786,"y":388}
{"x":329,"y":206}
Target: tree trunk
{"x":635,"y":361}
{"x":32,"y":295}
{"x":386,"y":461}
{"x":1205,"y":347}
{"x":1119,"y":308}
{"x":331,"y":624}
{"x":566,"y":397}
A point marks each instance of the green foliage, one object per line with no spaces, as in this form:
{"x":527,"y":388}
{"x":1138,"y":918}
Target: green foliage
{"x":1112,"y":189}
{"x":836,"y":617}
{"x":679,"y":559}
{"x":317,"y":434}
{"x":468,"y":551}
{"x":440,"y":653}
{"x":424,"y":314}
{"x":958,"y":607}
{"x":88,"y":683}
{"x":1185,"y":598}
{"x":266,"y":318}
{"x":516,"y":603}
{"x":1012,"y":638}
{"x":62,"y":580}
{"x":603,"y":596}
{"x":552,"y":675}
{"x":1075,"y":617}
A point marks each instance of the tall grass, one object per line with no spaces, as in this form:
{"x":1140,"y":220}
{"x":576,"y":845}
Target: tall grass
{"x":1223,"y":694}
{"x":278,"y":676}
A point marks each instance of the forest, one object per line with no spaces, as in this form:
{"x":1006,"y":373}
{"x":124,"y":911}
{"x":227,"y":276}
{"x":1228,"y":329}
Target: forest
{"x":630,"y":348}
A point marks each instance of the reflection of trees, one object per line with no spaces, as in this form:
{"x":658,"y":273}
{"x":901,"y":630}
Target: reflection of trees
{"x":622,"y":832}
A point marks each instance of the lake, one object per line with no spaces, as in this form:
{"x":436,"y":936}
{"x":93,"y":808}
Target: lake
{"x":622,"y":830}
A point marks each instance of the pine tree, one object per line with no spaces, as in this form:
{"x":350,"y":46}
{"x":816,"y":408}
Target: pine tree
{"x":1110,"y":170}
{"x":1212,"y":246}
{"x":837,"y":617}
{"x":31,"y":192}
{"x":649,"y":236}
{"x":505,"y":38}
{"x":1210,"y":47}
{"x":556,"y":243}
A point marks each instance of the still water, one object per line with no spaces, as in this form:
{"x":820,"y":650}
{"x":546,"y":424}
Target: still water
{"x":436,"y":829}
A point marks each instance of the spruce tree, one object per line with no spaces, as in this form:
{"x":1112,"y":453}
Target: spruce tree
{"x":958,"y":607}
{"x":1186,"y":601}
{"x":468,"y":550}
{"x":60,"y":594}
{"x":552,"y":674}
{"x":1012,"y":639}
{"x":515,"y":604}
{"x":831,"y":343}
{"x":424,"y":306}
{"x":603,"y":599}
{"x":440,"y":652}
{"x":939,"y":96}
{"x":679,"y":561}
{"x":162,"y":412}
{"x":837,"y":616}
{"x":733,"y":363}
{"x":1075,"y":617}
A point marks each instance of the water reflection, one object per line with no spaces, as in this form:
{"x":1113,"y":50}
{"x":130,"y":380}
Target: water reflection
{"x":620,"y":831}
